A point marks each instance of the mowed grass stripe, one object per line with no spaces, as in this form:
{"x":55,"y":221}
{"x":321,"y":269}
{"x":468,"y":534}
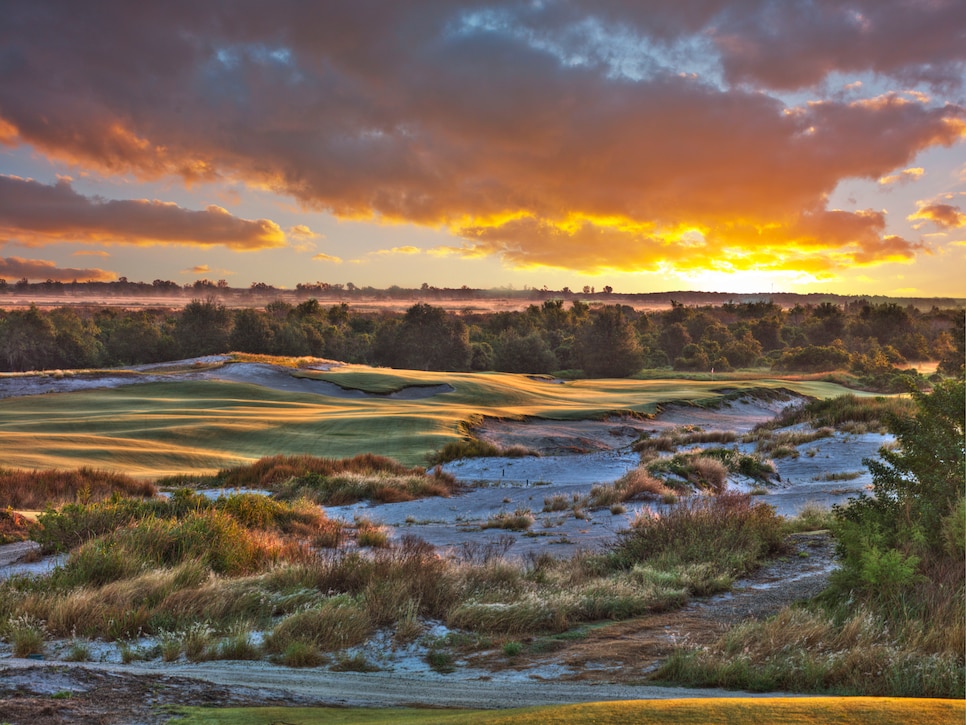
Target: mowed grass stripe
{"x":710,"y":711}
{"x":200,"y":426}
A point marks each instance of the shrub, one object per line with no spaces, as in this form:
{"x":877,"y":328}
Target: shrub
{"x":339,"y":622}
{"x":26,"y":634}
{"x":728,"y":529}
{"x":520,"y":520}
{"x":916,"y":487}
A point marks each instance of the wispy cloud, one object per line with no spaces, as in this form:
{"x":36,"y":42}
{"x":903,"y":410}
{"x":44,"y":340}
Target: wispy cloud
{"x":903,"y":177}
{"x":321,"y":257}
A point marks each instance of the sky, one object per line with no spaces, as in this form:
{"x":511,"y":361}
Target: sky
{"x":720,"y":145}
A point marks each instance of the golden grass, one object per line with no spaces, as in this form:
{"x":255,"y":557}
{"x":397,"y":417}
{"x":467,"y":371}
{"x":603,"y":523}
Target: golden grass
{"x":712,"y":711}
{"x":161,"y":429}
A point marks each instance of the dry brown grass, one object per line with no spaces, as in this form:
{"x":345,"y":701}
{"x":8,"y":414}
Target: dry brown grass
{"x":709,"y":473}
{"x":636,"y":483}
{"x":13,"y":527}
{"x":33,"y":490}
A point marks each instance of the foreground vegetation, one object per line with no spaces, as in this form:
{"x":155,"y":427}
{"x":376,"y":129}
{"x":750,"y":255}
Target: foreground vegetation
{"x":856,"y":711}
{"x":893,"y":621}
{"x":203,"y":576}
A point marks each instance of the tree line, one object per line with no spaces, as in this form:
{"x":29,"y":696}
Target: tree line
{"x":871,"y":340}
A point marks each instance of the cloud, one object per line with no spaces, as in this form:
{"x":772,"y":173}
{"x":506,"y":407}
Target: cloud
{"x":407,"y":249}
{"x":91,"y":253}
{"x":327,"y":258}
{"x":903,"y":177}
{"x":549,"y":134}
{"x":40,"y":269}
{"x":302,"y":232}
{"x":797,"y":44}
{"x":36,"y":214}
{"x":945,"y":216}
{"x":197,"y":269}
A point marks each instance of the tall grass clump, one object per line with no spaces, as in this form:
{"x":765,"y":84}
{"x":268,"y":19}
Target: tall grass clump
{"x":635,"y":484}
{"x":470,"y":447}
{"x":330,"y":481}
{"x":649,"y":445}
{"x":729,"y":530}
{"x":339,"y":622}
{"x":36,"y":490}
{"x":785,"y":444}
{"x":214,"y":538}
{"x":75,"y":524}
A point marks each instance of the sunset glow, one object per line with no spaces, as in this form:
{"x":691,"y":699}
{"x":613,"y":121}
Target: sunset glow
{"x":722,"y":146}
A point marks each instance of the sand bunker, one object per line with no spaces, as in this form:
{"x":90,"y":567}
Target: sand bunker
{"x":212,"y":367}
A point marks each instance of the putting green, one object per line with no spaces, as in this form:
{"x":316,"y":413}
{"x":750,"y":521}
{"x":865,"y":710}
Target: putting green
{"x":157,"y":429}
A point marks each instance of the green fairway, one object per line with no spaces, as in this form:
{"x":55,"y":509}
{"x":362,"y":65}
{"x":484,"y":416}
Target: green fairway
{"x":157,"y":429}
{"x":792,"y":711}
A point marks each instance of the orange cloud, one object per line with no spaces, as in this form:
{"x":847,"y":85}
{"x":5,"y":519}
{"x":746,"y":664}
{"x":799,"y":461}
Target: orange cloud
{"x":35,"y":214}
{"x":197,"y":269}
{"x":327,"y":258}
{"x":903,"y":177}
{"x":408,"y":249}
{"x":945,"y":216}
{"x":91,"y":253}
{"x":301,"y":231}
{"x":40,"y":269}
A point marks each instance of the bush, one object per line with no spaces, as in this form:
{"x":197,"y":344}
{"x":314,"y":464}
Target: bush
{"x":907,"y":522}
{"x":729,"y":530}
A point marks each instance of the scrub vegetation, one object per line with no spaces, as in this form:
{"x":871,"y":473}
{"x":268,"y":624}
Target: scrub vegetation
{"x":892,"y":621}
{"x":202,"y":575}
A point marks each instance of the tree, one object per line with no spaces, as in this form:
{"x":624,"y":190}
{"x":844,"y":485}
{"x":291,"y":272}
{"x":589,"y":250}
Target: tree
{"x":134,"y":338}
{"x":609,"y":347}
{"x":203,"y":328}
{"x":75,"y":340}
{"x":251,"y":332}
{"x":916,"y":507}
{"x":427,"y":339}
{"x":524,"y":354}
{"x":27,"y":340}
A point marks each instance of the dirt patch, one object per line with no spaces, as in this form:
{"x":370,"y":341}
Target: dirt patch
{"x":44,"y":696}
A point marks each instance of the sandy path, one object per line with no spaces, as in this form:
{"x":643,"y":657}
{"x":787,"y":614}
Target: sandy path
{"x":377,"y":689}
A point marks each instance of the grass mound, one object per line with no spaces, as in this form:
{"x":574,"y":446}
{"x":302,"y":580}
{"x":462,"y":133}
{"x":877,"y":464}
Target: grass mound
{"x":849,"y":412}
